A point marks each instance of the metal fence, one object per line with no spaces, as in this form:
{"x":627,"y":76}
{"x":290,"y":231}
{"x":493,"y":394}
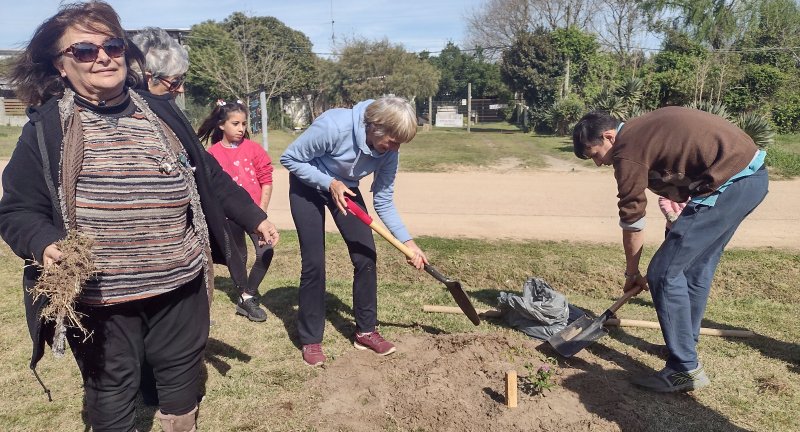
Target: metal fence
{"x":483,"y":110}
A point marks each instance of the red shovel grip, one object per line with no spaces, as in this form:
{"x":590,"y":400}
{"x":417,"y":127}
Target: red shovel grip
{"x":358,"y":211}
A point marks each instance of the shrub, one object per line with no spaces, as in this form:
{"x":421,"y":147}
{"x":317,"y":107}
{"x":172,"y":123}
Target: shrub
{"x":565,"y":113}
{"x":786,"y":114}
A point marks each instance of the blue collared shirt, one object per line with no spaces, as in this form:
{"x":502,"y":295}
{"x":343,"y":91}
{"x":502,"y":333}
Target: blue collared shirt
{"x":755,"y":165}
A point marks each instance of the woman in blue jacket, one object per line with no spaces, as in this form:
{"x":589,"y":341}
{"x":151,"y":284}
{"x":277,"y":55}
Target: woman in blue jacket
{"x":326,"y":163}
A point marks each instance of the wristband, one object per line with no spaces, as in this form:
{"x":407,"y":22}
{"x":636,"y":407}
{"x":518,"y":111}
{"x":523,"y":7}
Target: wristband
{"x":632,"y":275}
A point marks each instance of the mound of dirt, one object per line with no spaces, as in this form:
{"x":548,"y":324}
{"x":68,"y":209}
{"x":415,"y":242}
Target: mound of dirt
{"x":451,"y":382}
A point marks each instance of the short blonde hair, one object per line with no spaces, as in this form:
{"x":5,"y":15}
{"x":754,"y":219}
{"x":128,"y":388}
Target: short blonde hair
{"x":392,"y":116}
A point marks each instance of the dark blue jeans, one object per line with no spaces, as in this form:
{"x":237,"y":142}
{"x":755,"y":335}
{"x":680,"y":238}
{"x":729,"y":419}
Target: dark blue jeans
{"x":682,"y":269}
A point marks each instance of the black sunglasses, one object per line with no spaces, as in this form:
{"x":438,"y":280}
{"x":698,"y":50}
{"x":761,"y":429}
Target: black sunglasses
{"x":85,"y":52}
{"x":173,"y":85}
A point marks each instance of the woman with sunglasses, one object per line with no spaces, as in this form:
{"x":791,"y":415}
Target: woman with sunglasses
{"x":166,"y":61}
{"x":125,"y":170}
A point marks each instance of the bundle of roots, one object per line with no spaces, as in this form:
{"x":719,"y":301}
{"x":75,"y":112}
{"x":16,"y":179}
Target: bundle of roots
{"x":62,"y":282}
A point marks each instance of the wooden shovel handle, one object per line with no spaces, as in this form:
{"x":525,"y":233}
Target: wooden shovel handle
{"x":703,"y":330}
{"x":610,"y":322}
{"x":361,"y":214}
{"x":455,"y":310}
{"x":624,"y":299}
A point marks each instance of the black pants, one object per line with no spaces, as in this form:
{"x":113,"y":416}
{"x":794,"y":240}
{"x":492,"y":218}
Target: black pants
{"x":169,"y":331}
{"x":263,"y":257}
{"x":308,"y":204}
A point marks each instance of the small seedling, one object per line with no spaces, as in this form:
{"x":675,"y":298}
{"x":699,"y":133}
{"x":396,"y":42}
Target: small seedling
{"x":539,"y":378}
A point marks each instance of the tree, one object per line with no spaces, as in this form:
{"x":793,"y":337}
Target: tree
{"x":675,"y":69}
{"x":368,"y":69}
{"x":459,"y":68}
{"x":242,"y":55}
{"x":5,"y":66}
{"x":577,"y":49}
{"x":533,"y":66}
{"x":718,"y":23}
{"x":624,"y":22}
{"x":497,"y":24}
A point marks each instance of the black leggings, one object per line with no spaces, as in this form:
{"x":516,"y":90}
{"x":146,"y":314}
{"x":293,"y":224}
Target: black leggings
{"x":308,"y":204}
{"x":169,"y":331}
{"x":263,"y":257}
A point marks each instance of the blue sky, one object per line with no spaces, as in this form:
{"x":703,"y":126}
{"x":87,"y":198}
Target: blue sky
{"x":416,"y":24}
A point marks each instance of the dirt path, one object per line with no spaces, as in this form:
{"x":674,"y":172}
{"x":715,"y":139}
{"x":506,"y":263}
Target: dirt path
{"x":565,"y":201}
{"x":562,"y":202}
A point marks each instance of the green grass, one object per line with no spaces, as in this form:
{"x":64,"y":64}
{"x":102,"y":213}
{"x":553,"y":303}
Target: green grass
{"x":254,"y":370}
{"x":442,"y":149}
{"x":783,"y":156}
{"x":8,"y":140}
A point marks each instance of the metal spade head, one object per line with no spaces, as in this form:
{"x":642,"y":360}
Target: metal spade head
{"x":457,"y":292}
{"x":578,"y":335}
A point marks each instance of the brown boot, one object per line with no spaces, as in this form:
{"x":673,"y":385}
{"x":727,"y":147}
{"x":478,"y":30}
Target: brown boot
{"x":178,"y":423}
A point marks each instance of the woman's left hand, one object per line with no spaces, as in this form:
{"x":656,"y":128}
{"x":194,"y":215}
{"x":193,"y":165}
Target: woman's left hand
{"x":268,"y":233}
{"x":419,"y":260}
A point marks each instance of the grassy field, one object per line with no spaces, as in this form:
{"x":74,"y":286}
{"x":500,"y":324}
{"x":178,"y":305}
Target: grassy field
{"x":255,"y":369}
{"x":443,"y":149}
{"x":490,"y":144}
{"x":784,"y":155}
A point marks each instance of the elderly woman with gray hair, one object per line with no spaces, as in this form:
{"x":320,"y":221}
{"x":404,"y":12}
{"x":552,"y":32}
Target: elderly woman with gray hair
{"x":165,"y":61}
{"x":326,"y":164}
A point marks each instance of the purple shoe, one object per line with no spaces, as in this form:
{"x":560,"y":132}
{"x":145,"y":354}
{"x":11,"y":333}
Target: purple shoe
{"x":313,"y":355}
{"x":373,"y":341}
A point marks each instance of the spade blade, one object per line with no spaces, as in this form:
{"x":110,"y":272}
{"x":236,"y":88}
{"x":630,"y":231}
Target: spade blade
{"x":583,"y":332}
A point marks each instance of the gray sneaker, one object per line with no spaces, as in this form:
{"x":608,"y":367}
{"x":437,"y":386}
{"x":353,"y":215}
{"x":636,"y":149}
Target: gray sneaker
{"x":669,"y":381}
{"x":251,"y":310}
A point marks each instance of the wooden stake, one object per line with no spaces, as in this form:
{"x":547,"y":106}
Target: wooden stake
{"x":511,"y":389}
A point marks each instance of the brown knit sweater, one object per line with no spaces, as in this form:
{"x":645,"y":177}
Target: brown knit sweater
{"x":677,"y":153}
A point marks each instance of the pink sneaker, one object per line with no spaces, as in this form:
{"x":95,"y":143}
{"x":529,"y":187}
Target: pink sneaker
{"x":313,"y":355}
{"x":373,"y":341}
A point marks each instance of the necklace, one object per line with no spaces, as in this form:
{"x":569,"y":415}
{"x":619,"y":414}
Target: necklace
{"x":103,"y":103}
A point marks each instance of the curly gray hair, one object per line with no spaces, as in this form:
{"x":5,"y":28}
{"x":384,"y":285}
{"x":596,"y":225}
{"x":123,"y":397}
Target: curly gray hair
{"x":164,"y":56}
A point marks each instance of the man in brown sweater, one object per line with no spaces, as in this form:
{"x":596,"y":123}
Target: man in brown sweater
{"x":688,"y":156}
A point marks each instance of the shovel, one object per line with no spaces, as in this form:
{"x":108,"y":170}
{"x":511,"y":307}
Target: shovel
{"x":585,"y":330}
{"x":453,"y":286}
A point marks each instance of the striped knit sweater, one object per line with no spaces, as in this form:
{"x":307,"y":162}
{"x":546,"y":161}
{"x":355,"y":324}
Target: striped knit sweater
{"x":138,"y":216}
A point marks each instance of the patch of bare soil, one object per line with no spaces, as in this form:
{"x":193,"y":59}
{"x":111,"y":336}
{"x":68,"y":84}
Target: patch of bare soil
{"x":455,"y":382}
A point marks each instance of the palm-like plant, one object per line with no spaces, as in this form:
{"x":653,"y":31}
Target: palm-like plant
{"x":758,"y":127}
{"x":609,"y":102}
{"x":635,"y":111}
{"x":630,"y":91}
{"x":710,"y":107}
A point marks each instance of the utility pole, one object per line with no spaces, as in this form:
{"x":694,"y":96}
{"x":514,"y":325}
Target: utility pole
{"x":281,"y":99}
{"x":430,"y":111}
{"x":469,"y":105}
{"x":263,"y":100}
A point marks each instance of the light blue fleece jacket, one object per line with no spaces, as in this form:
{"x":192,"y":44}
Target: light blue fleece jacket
{"x":335,"y":147}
